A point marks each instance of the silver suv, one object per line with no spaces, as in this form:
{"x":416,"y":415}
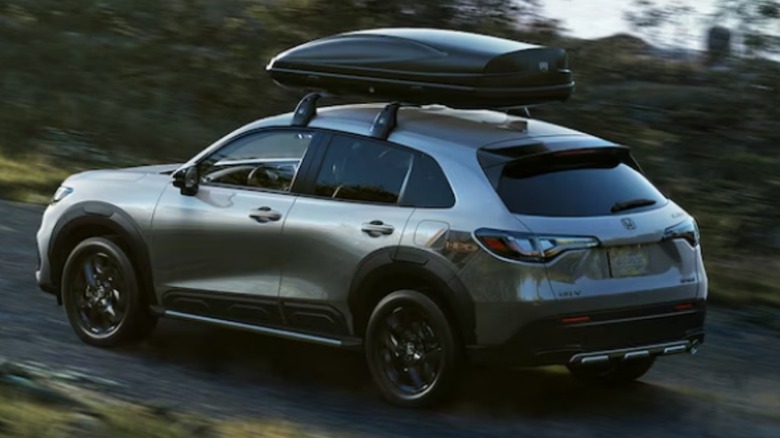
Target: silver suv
{"x":447,"y":237}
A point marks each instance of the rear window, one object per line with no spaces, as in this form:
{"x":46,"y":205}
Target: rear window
{"x":574,"y":184}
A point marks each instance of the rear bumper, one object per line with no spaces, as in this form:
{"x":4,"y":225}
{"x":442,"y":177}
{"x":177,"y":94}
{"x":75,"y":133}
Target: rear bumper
{"x":637,"y":331}
{"x":644,"y":351}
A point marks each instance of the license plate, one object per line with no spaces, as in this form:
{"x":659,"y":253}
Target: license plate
{"x":628,"y":261}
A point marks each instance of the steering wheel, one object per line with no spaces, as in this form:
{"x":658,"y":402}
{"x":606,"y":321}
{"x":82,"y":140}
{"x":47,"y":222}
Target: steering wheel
{"x":262,"y":176}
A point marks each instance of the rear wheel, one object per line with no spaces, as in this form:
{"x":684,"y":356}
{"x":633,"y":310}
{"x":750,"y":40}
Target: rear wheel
{"x":102,"y":296}
{"x":411,"y":349}
{"x":613,"y":372}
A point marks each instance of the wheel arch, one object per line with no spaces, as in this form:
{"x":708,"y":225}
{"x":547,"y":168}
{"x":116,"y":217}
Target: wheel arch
{"x":99,"y":219}
{"x":388,"y":270}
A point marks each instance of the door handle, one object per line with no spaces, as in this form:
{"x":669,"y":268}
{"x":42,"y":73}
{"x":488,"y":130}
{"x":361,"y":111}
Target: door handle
{"x":377,"y":228}
{"x":265,"y":214}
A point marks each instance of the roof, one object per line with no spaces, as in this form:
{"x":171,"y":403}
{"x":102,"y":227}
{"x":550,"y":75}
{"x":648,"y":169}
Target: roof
{"x":468,"y":128}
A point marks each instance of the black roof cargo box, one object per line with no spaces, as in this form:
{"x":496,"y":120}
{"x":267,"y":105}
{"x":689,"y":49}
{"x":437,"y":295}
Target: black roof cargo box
{"x":428,"y":66}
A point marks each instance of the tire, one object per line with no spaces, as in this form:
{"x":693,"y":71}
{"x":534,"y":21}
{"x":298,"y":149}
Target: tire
{"x":108,"y":309}
{"x":613,"y":373}
{"x":412,"y":352}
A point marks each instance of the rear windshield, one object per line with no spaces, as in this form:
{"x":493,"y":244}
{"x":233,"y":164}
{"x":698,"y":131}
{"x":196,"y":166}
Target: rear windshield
{"x":580,"y":183}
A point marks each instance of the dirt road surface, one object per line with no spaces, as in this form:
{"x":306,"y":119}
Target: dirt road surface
{"x":731,"y":388}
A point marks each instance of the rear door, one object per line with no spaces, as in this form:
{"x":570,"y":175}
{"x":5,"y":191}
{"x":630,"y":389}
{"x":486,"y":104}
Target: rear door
{"x":601,"y":193}
{"x":351,"y":211}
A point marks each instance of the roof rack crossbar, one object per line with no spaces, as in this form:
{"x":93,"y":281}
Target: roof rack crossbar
{"x":387,"y":119}
{"x":522,"y":111}
{"x":306,"y":110}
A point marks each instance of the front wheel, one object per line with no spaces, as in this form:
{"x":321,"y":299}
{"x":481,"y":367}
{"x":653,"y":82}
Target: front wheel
{"x":102,"y":295}
{"x":411,"y":349}
{"x":613,"y":372}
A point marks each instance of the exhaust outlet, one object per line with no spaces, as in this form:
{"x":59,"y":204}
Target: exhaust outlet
{"x":635,"y":352}
{"x":595,"y":359}
{"x":677,"y":349}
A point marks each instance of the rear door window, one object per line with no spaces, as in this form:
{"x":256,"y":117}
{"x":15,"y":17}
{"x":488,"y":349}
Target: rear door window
{"x":360,"y":169}
{"x":577,"y":183}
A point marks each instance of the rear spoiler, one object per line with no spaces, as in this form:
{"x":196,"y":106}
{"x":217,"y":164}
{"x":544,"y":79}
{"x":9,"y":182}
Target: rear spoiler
{"x":493,"y":158}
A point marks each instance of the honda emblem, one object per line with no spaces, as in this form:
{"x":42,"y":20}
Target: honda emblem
{"x":628,"y":223}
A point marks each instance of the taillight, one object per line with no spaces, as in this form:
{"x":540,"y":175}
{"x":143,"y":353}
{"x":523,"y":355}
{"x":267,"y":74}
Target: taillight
{"x":687,"y":230}
{"x":527,"y":247}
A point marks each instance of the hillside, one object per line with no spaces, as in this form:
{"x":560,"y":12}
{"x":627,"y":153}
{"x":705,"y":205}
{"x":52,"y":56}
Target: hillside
{"x":93,"y":84}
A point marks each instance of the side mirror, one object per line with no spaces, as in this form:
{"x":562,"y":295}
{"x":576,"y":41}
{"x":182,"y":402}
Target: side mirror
{"x":187,"y":180}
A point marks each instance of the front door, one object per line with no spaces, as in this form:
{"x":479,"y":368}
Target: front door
{"x":219,"y":252}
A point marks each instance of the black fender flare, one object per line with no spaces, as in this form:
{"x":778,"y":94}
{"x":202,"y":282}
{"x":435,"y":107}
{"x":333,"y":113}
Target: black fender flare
{"x":100,"y":214}
{"x":388,"y":263}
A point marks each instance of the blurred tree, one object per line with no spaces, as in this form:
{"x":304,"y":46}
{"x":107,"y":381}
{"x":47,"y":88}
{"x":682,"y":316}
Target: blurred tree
{"x":295,"y":21}
{"x":718,"y":45}
{"x":496,"y":15}
{"x":665,"y":24}
{"x":757,"y":22}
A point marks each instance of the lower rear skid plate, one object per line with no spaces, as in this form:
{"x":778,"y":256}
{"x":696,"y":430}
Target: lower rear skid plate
{"x":670,"y":348}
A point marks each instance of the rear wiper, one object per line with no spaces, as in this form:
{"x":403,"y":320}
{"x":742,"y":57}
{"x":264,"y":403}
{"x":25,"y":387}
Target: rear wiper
{"x":632,"y":204}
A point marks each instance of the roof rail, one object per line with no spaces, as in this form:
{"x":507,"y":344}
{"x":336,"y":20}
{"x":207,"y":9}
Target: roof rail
{"x":306,"y":110}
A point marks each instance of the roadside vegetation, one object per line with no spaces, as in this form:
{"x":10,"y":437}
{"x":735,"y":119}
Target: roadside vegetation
{"x":90,"y":84}
{"x":23,"y":415}
{"x":30,"y":177}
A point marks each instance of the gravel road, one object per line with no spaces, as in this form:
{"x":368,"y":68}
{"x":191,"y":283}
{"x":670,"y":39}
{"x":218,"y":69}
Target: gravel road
{"x":731,"y":388}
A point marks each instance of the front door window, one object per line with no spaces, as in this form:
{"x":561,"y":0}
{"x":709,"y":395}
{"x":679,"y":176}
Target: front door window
{"x":265,"y":161}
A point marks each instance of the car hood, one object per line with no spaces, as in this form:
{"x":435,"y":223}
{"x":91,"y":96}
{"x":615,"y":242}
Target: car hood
{"x":157,"y":168}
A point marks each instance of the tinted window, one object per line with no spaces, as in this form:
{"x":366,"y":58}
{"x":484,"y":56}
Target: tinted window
{"x":363,"y":170}
{"x":267,"y":160}
{"x":427,"y":186}
{"x":585,"y":183}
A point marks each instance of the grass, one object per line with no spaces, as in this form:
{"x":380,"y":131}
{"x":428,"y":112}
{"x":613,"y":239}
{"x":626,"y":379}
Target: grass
{"x":22,"y":416}
{"x":746,"y":282}
{"x":31,"y":178}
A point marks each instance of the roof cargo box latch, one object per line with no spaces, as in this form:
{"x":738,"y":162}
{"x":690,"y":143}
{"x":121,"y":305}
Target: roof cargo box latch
{"x":306,"y":110}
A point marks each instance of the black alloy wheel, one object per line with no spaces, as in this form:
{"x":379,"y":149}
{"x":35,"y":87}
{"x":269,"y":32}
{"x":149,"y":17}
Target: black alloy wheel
{"x":101,"y":294}
{"x":411,"y":349}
